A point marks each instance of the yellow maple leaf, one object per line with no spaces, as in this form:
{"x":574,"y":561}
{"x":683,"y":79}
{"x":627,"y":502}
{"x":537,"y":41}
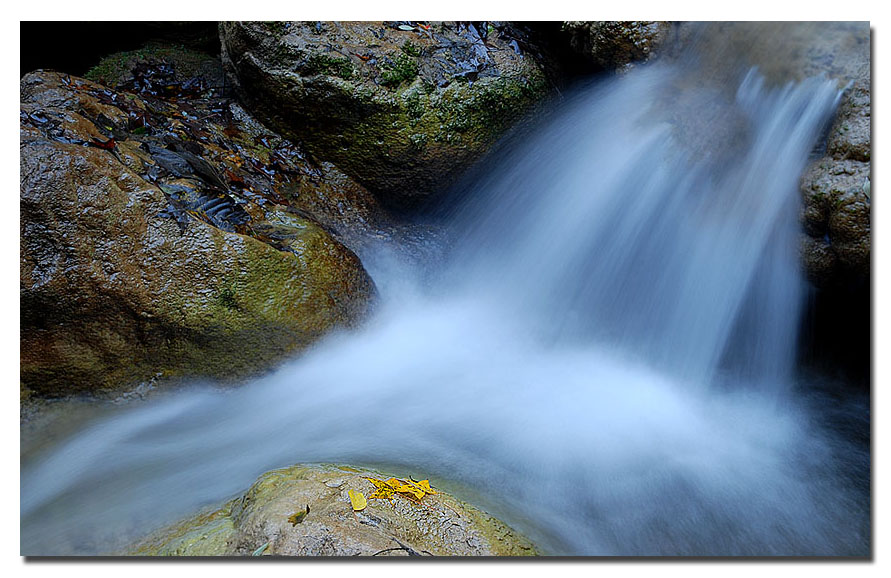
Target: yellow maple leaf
{"x":379,"y":484}
{"x":407,"y":488}
{"x":400,"y":487}
{"x":423,"y":485}
{"x":382,"y":494}
{"x":384,"y":490}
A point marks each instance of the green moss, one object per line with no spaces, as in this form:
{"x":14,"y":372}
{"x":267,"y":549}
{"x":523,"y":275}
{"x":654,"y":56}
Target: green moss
{"x":503,"y":540}
{"x":387,"y":131}
{"x":206,"y":534}
{"x":329,"y":65}
{"x":227,"y":297}
{"x":485,"y":111}
{"x":410,"y":48}
{"x":403,"y":69}
{"x":413,"y":105}
{"x":419,"y":141}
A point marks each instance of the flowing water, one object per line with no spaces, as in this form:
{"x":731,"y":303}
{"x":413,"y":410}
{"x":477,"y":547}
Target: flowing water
{"x":605,"y":359}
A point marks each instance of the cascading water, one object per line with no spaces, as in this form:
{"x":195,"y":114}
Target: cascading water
{"x":604,"y":362}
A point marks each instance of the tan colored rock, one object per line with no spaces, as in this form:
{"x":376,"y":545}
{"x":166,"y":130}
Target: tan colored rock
{"x":850,"y":135}
{"x":114,"y":291}
{"x":438,"y":525}
{"x":835,"y":189}
{"x":836,"y":215}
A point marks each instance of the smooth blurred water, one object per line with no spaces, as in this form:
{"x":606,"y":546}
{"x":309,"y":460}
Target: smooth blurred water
{"x":605,"y":360}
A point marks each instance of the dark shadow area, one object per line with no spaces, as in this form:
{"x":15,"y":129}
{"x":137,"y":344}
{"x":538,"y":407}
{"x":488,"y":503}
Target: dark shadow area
{"x":836,"y":329}
{"x":75,"y":47}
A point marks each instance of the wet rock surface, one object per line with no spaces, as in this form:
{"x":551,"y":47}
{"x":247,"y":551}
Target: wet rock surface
{"x":835,"y":189}
{"x":164,"y":232}
{"x":837,"y":219}
{"x":402,"y":107}
{"x":616,"y":45}
{"x":258,"y":522}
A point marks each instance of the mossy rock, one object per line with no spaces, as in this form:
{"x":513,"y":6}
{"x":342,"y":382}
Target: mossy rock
{"x":258,"y":521}
{"x":115,"y":291}
{"x":404,"y":112}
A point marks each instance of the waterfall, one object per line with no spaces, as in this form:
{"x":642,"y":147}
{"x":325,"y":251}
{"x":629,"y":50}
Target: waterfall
{"x":605,"y":360}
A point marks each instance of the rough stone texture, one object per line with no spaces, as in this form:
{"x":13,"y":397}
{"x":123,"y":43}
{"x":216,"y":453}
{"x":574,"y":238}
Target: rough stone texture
{"x":835,"y":189}
{"x":114,"y":290}
{"x":836,"y":216}
{"x":614,"y":45}
{"x":404,"y":112}
{"x":850,"y":134}
{"x":438,"y":525}
{"x":236,"y":142}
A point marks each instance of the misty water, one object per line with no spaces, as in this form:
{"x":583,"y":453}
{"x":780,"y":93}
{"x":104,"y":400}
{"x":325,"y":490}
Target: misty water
{"x":604,"y":357}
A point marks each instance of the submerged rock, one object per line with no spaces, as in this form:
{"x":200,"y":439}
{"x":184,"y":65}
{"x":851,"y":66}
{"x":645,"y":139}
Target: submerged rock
{"x":437,"y":525}
{"x":150,"y":243}
{"x":402,"y":107}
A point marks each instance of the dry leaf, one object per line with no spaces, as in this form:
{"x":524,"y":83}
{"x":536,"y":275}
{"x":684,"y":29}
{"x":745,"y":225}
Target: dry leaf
{"x":298,"y":517}
{"x":357,"y":500}
{"x":423,"y":485}
{"x":409,"y":489}
{"x":384,"y":490}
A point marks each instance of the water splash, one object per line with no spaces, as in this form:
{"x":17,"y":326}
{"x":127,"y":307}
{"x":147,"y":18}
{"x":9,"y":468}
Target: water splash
{"x":604,"y":362}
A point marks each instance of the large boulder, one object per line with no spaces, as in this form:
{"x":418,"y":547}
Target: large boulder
{"x":263,"y":161}
{"x":142,"y":252}
{"x":404,"y":108}
{"x":258,"y":522}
